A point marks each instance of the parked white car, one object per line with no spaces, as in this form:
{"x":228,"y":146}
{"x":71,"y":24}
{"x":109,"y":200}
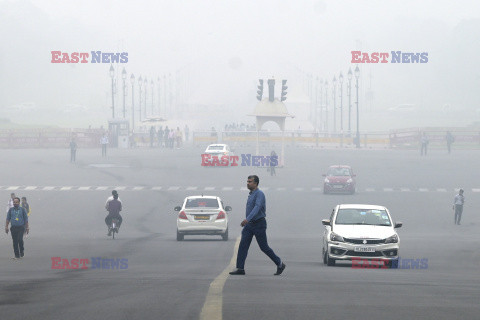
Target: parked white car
{"x":360,"y":231}
{"x":202,"y":215}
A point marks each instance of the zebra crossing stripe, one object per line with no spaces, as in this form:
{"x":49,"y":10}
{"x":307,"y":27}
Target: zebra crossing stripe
{"x":48,"y":188}
{"x":388,"y":189}
{"x":13,"y":188}
{"x":441,"y":190}
{"x":173,"y":188}
{"x":227,"y":188}
{"x":66,"y":188}
{"x":101,"y":188}
{"x":209,"y":188}
{"x":83,"y":188}
{"x":30,"y":188}
{"x":191,"y":188}
{"x":156,"y":188}
{"x":423,"y":189}
{"x":120,"y":188}
{"x":370,"y":190}
{"x":405,"y":189}
{"x":137,"y":188}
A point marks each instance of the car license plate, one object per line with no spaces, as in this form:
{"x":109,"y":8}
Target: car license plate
{"x":202,"y":217}
{"x":364,"y":249}
{"x":338,"y":186}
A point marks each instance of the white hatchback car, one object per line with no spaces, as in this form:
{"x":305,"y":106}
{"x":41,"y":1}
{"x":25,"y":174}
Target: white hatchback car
{"x":202,"y":215}
{"x":360,"y":231}
{"x":218,"y":150}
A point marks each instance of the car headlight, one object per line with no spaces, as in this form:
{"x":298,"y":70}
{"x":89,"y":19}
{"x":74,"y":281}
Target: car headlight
{"x":326,"y":180}
{"x":349,"y":181}
{"x":336,"y":237}
{"x":392,"y":239}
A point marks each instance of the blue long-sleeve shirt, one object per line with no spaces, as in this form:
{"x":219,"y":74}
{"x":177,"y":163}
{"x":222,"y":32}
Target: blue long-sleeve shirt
{"x":256,"y":205}
{"x":17,"y":216}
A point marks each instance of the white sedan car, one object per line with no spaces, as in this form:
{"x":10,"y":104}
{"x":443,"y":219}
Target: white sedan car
{"x":202,"y":215}
{"x":360,"y":231}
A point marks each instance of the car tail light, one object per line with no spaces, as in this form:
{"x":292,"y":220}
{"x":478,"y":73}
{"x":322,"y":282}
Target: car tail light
{"x":221,"y":215}
{"x":182,"y":215}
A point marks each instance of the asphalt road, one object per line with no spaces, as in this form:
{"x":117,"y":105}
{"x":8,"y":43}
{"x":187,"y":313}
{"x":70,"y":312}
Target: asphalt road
{"x":166,"y":279}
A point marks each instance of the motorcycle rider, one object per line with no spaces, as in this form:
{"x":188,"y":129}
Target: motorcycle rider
{"x":113,"y":206}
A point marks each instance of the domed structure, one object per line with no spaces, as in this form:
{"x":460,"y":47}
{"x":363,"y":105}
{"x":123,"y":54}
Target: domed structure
{"x":276,"y":108}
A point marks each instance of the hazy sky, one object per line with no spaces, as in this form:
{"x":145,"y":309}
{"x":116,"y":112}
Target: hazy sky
{"x":221,"y":48}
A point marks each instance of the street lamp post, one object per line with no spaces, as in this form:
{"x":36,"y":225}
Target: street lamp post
{"x":112,"y":75}
{"x":145,"y":82}
{"x":326,"y":106}
{"x":159,"y":97}
{"x":357,"y":75}
{"x":340,"y":80}
{"x":316,"y":105}
{"x":140,"y":82}
{"x":349,"y":76}
{"x":132,"y":81}
{"x":124,"y":77}
{"x":321,"y":105}
{"x":151,"y":83}
{"x":334,"y":88}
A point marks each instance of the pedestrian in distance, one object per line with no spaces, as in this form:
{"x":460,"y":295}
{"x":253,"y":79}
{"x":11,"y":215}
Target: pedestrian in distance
{"x":10,"y":201}
{"x":450,"y":139}
{"x":104,"y":143}
{"x":73,"y":150}
{"x":18,"y":218}
{"x":424,"y":143}
{"x":255,"y":225}
{"x":273,"y":162}
{"x":25,"y":205}
{"x":458,"y":202}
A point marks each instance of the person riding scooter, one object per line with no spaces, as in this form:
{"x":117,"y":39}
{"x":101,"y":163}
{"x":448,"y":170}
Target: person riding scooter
{"x":113,"y":207}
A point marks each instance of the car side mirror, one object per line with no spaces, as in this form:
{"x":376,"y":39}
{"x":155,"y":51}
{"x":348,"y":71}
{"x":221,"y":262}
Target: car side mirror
{"x":228,"y":208}
{"x":326,"y":222}
{"x":398,"y":224}
{"x":177,"y":208}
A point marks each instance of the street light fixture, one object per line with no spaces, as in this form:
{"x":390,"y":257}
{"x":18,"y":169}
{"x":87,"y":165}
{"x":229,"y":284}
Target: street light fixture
{"x":140,"y":82}
{"x":132,"y":81}
{"x":334,"y":88}
{"x":357,"y":75}
{"x":124,"y":77}
{"x":145,"y":82}
{"x":349,"y":76}
{"x":340,"y":80}
{"x":112,"y":75}
{"x":326,"y":106}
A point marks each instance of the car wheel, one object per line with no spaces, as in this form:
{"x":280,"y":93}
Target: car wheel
{"x":330,"y":261}
{"x":225,"y":236}
{"x":324,"y":256}
{"x":179,"y":236}
{"x":392,"y":264}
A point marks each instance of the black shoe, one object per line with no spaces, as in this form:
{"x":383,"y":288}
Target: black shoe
{"x":280,"y":269}
{"x":109,"y":232}
{"x":22,"y":254}
{"x":238,"y":271}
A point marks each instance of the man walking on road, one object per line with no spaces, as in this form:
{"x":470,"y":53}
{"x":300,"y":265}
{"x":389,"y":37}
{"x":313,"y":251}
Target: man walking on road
{"x":458,"y":202}
{"x":19,"y":219}
{"x":255,"y":225}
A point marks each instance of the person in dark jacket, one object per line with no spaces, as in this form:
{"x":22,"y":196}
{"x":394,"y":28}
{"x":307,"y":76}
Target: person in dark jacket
{"x":18,"y":218}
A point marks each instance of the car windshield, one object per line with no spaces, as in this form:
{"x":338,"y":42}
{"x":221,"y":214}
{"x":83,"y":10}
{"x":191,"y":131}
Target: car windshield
{"x":215,"y":148}
{"x":363,"y":216}
{"x":338,"y":172}
{"x":201,"y":203}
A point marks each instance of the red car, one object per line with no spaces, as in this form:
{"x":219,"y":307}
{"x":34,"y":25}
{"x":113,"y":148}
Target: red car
{"x":339,"y":179}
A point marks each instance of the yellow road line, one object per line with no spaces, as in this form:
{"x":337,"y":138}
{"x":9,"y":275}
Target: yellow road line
{"x":212,"y":308}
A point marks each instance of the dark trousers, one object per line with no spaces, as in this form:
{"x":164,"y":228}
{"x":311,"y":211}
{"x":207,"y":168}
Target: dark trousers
{"x":73,"y":154}
{"x":259,"y":230}
{"x":423,"y":149}
{"x":108,"y":220}
{"x":458,"y":213}
{"x":104,"y":150}
{"x":17,"y":237}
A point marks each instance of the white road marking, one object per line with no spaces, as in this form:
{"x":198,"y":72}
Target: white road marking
{"x":66,"y":188}
{"x":423,"y":189}
{"x":317,"y":189}
{"x":120,"y":188}
{"x":227,"y":188}
{"x":281,"y":189}
{"x":12,"y":188}
{"x":191,"y":188}
{"x":441,"y":190}
{"x":370,"y":190}
{"x":475,"y":190}
{"x":156,"y":188}
{"x":173,"y":188}
{"x":243,"y":189}
{"x":405,"y":189}
{"x":388,"y":189}
{"x":48,"y":188}
{"x":83,"y":188}
{"x":212,"y":308}
{"x":298,"y":189}
{"x":102,"y":188}
{"x":137,"y":188}
{"x":30,"y":188}
{"x":209,"y":188}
